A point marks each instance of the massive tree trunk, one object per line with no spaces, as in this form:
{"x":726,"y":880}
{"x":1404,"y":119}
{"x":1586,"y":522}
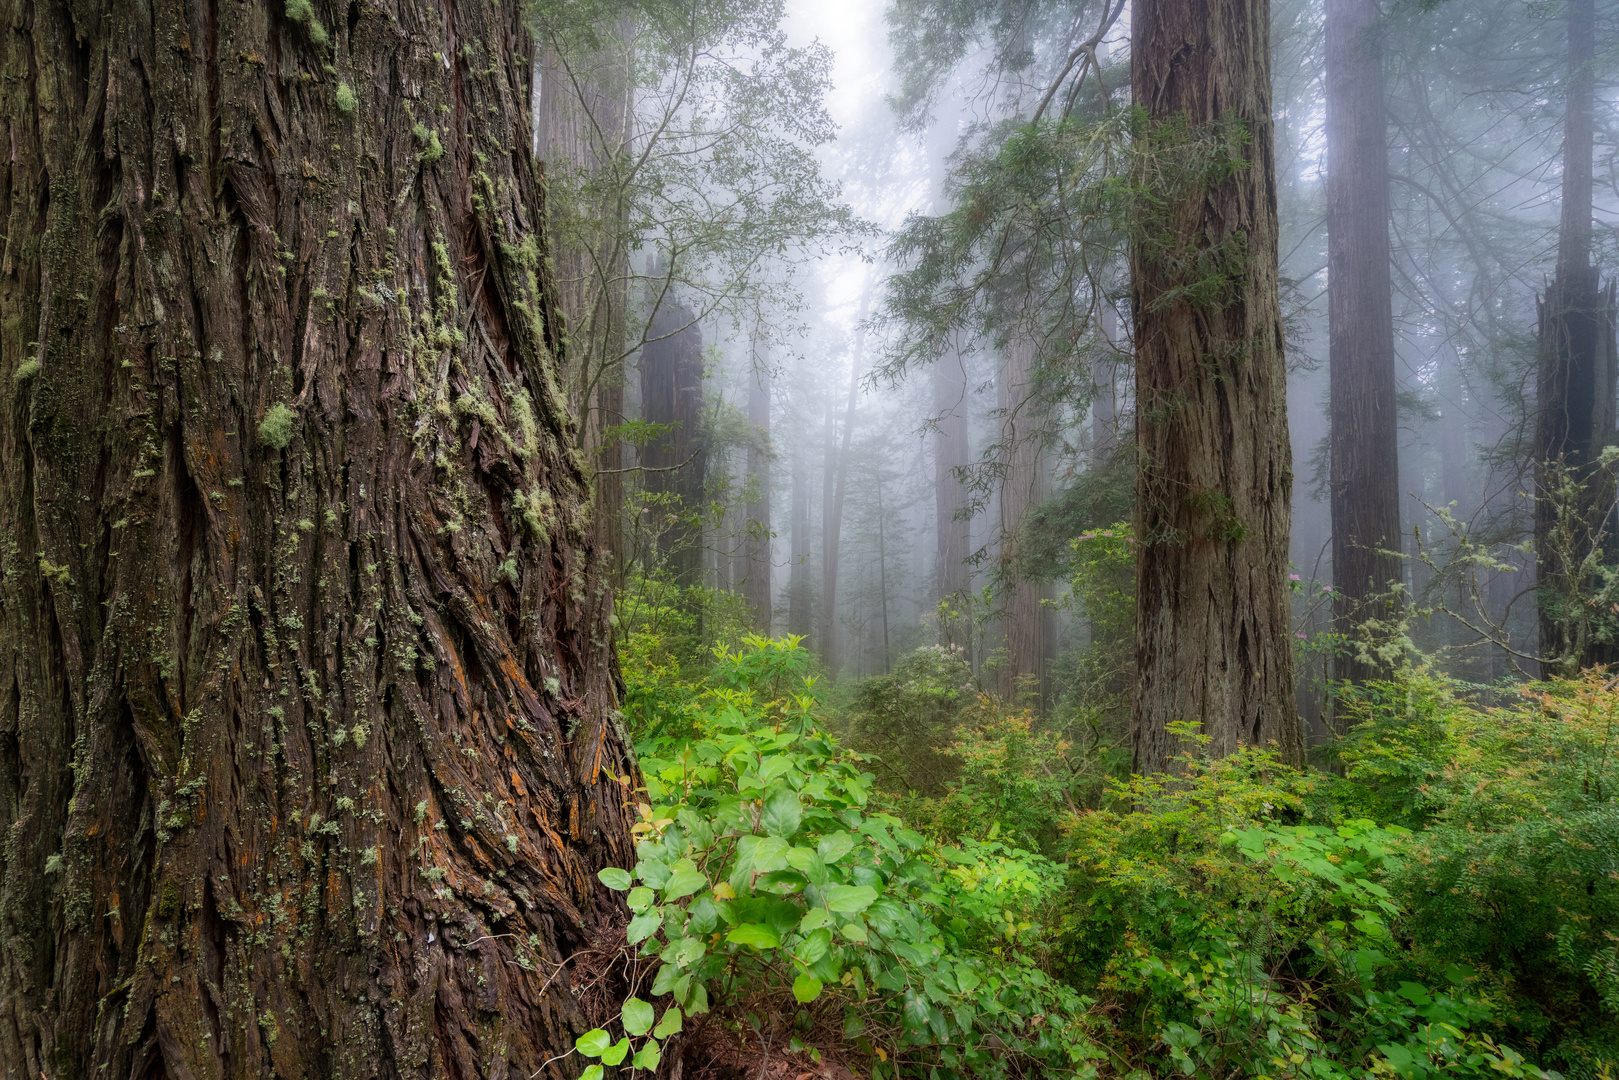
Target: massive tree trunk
{"x":1575,"y":388}
{"x":1213,"y":641}
{"x":756,"y":544}
{"x":307,"y":747}
{"x":1365,"y":432}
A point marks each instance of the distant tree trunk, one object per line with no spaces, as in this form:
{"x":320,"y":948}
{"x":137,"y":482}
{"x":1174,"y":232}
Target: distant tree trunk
{"x":1104,"y":392}
{"x":756,"y":546}
{"x":1364,"y":441}
{"x":832,"y":529}
{"x":799,"y":621}
{"x":1026,"y":618}
{"x":675,"y":460}
{"x":1213,"y":640}
{"x":953,"y":528}
{"x":307,"y":748}
{"x":1575,"y":388}
{"x":579,"y":132}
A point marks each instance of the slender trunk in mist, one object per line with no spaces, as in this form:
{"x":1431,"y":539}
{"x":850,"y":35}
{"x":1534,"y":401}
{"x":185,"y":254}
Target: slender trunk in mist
{"x":798,"y":578}
{"x":1213,"y":636}
{"x":1104,"y":391}
{"x":675,"y":461}
{"x":756,"y":547}
{"x":953,"y":528}
{"x":837,"y":481}
{"x":882,"y":568}
{"x":1575,"y":387}
{"x":1026,"y":619}
{"x":1364,"y":439}
{"x":579,"y":129}
{"x":308,"y":751}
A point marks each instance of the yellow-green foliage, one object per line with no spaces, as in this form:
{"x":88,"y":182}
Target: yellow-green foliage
{"x":275,"y":430}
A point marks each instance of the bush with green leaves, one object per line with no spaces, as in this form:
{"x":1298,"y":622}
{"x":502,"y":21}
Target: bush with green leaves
{"x":767,"y":885}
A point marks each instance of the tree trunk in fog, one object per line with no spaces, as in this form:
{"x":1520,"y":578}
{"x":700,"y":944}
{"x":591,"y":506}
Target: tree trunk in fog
{"x":798,"y":577}
{"x":307,"y":746}
{"x":756,"y":547}
{"x":1026,"y":619}
{"x":837,"y":484}
{"x":1364,"y":439}
{"x":675,"y":460}
{"x":1213,"y":640}
{"x":1575,"y":385}
{"x":950,"y":453}
{"x":579,"y":131}
{"x":1104,"y":391}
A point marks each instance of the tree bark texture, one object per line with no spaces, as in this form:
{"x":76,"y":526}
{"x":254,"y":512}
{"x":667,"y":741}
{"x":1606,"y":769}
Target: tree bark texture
{"x":1574,"y":387}
{"x":1364,"y":440}
{"x":308,"y":737}
{"x":1213,"y":640}
{"x":675,"y":460}
{"x":756,"y":542}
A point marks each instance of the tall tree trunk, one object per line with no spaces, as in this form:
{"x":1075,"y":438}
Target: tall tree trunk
{"x":1104,"y":391}
{"x":1364,"y":440}
{"x":306,"y":747}
{"x":756,"y":546}
{"x":579,"y":132}
{"x":952,"y":526}
{"x":1575,"y":387}
{"x":1026,"y":619}
{"x":1213,"y":641}
{"x":799,"y":621}
{"x":675,"y":460}
{"x":832,"y":516}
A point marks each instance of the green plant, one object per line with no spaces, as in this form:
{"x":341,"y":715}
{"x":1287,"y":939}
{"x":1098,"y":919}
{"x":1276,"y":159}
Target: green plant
{"x":276,"y":429}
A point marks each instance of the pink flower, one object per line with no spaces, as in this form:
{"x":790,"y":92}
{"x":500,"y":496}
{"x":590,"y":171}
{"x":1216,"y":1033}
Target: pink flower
{"x":1299,"y":636}
{"x":1292,"y":577}
{"x":1326,"y":588}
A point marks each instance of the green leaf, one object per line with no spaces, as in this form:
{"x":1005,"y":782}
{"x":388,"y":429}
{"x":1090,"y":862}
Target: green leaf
{"x":850,"y":898}
{"x":640,"y":897}
{"x":814,"y":919}
{"x":668,"y":1025}
{"x":616,"y":1053}
{"x":835,"y":846}
{"x":653,"y":872}
{"x":806,"y":988}
{"x":593,"y":1043}
{"x":683,"y":952}
{"x":813,"y":947}
{"x":595,"y":1072}
{"x":782,"y":813}
{"x":637,"y":1016}
{"x":761,"y":854}
{"x":853,"y":931}
{"x":648,"y":1056}
{"x":808,"y":863}
{"x":772,"y":767}
{"x":684,"y":881}
{"x":754,"y":934}
{"x":644,"y":925}
{"x":615,"y":879}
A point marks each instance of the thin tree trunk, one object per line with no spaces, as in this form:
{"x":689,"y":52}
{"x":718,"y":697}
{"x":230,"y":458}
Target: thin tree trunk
{"x":307,"y":756}
{"x":1364,"y":441}
{"x":1026,"y":618}
{"x":832,"y":533}
{"x":1213,"y":640}
{"x":799,"y":621}
{"x":882,"y":568}
{"x":953,"y":528}
{"x":675,"y":460}
{"x":1575,"y":387}
{"x":756,"y":547}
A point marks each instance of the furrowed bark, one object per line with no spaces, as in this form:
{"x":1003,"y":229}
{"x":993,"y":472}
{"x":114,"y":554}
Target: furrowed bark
{"x":1365,"y":433}
{"x":1213,"y":640}
{"x":308,"y":739}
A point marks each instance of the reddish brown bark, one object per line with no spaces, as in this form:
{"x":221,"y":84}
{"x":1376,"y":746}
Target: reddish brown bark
{"x":307,"y":734}
{"x":1213,"y":640}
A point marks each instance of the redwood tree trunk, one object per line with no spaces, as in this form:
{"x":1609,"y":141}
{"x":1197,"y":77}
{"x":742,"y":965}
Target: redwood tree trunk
{"x":1575,"y":387}
{"x":1027,"y":621}
{"x":1365,"y":432}
{"x":756,"y":545}
{"x":306,"y":747}
{"x":675,"y":460}
{"x":1213,"y":641}
{"x":953,"y":528}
